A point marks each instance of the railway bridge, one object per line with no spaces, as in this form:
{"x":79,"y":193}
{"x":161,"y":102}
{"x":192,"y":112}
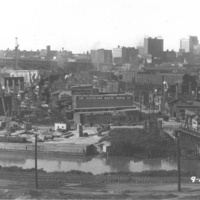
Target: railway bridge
{"x":181,"y":130}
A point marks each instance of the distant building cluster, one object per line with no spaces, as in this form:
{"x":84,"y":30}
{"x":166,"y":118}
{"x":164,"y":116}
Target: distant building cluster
{"x":104,"y":82}
{"x":150,"y":54}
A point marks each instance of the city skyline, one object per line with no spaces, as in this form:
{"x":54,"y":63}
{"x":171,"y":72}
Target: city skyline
{"x":81,"y":26}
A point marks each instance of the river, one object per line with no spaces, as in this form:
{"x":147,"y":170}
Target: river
{"x":96,"y":165}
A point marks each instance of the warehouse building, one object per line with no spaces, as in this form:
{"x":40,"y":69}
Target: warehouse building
{"x":109,"y":108}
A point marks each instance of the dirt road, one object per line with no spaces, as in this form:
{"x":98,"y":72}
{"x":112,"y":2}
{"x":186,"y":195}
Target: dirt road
{"x":26,"y":190}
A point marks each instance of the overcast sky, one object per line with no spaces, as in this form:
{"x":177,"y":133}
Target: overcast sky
{"x":81,"y":25}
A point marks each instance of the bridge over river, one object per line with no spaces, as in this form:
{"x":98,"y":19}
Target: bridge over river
{"x":181,"y":129}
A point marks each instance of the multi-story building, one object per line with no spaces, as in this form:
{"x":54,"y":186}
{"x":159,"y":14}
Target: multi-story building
{"x":84,"y":90}
{"x":112,"y":87}
{"x":118,"y":117}
{"x":82,"y":58}
{"x":2,"y":54}
{"x":193,"y":42}
{"x":173,"y":78}
{"x":117,"y":55}
{"x":141,"y":50}
{"x":146,"y":78}
{"x":128,"y":76}
{"x":51,"y":54}
{"x":123,"y":55}
{"x":188,"y":45}
{"x":102,"y":101}
{"x":167,"y":68}
{"x":157,"y":79}
{"x":185,"y":45}
{"x":169,"y":56}
{"x":29,"y":75}
{"x":63,"y":56}
{"x":76,"y":67}
{"x":29,"y":63}
{"x":153,"y":46}
{"x":196,"y":49}
{"x":43,"y":54}
{"x":101,"y":57}
{"x":130,"y":55}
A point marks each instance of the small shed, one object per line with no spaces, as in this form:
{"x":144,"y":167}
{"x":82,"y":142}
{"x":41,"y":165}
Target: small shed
{"x":61,"y":126}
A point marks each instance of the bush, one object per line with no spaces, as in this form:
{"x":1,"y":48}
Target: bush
{"x":135,"y":142}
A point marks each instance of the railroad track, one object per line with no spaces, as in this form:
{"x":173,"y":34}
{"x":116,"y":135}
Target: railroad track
{"x":87,"y":179}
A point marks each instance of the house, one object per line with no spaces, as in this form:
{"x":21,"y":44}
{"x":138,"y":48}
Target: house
{"x":180,"y":106}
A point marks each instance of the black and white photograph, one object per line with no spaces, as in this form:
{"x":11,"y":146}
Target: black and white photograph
{"x":100,"y":99}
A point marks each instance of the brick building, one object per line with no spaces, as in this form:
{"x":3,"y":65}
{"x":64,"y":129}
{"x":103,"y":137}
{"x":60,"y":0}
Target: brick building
{"x":153,"y":46}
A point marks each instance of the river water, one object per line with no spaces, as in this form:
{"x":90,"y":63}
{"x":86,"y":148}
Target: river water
{"x":96,"y":165}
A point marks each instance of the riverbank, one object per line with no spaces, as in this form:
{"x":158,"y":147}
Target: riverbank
{"x":130,"y":175}
{"x":49,"y":148}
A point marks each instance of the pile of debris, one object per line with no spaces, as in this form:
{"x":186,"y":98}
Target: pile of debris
{"x":13,"y":126}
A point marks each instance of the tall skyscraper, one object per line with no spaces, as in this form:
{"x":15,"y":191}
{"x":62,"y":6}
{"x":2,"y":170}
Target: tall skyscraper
{"x":153,"y":46}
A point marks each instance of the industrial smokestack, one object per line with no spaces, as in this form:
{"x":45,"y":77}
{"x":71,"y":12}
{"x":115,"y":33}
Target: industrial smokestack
{"x":16,"y":52}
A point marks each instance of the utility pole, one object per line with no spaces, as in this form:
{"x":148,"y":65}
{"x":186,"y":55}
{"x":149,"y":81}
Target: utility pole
{"x":190,"y":88}
{"x":196,"y":93}
{"x":176,"y":90}
{"x":177,"y":136}
{"x":36,"y":172}
{"x":153,"y":107}
{"x":149,"y":111}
